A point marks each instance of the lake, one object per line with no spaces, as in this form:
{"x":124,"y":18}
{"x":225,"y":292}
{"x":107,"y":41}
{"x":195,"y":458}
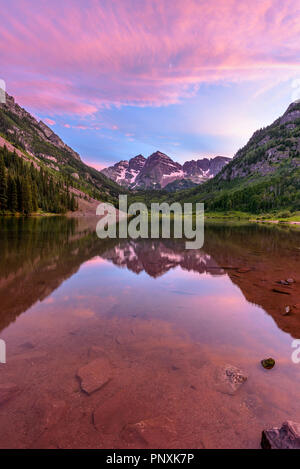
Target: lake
{"x":123,"y":344}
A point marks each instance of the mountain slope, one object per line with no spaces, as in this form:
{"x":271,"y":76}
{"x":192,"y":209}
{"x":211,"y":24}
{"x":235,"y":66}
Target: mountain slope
{"x":39,"y":144}
{"x":180,"y":185}
{"x":263,"y":176}
{"x":159,"y":170}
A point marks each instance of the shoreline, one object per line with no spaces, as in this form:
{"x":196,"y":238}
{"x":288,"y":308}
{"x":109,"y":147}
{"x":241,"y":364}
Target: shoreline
{"x":250,"y":218}
{"x":220,"y":217}
{"x":278,"y":222}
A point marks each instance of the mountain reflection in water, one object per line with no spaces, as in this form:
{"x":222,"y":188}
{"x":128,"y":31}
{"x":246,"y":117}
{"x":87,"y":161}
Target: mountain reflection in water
{"x":165,"y":319}
{"x":39,"y":254}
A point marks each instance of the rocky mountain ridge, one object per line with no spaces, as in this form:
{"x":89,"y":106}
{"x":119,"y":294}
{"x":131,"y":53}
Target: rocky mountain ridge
{"x":268,"y":148}
{"x":159,"y":170}
{"x":263,"y":176}
{"x":35,"y":142}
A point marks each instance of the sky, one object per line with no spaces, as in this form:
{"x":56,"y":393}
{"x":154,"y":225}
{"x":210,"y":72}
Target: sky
{"x":115,"y":78}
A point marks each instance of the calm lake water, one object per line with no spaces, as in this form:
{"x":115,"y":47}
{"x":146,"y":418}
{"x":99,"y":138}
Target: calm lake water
{"x":165,"y":321}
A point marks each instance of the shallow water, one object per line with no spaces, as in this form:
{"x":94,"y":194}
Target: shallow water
{"x":165,"y":320}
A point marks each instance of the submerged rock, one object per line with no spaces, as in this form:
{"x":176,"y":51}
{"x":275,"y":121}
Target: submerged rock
{"x":230,"y":379}
{"x":155,"y":433}
{"x":286,"y":437}
{"x":283,"y":282}
{"x":290,"y":280}
{"x":94,"y":375}
{"x":286,"y":311}
{"x":268,"y":363}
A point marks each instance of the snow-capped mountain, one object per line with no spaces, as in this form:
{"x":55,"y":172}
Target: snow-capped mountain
{"x":160,"y":256}
{"x":126,"y":172}
{"x":159,"y":170}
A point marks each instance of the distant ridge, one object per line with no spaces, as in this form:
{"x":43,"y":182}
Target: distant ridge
{"x":159,"y":170}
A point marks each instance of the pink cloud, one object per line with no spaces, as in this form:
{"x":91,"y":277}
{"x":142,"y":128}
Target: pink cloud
{"x":49,"y":121}
{"x":98,"y":54}
{"x":81,"y":127}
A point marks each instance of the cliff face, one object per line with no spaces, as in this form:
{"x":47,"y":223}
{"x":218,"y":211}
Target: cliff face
{"x":31,"y":129}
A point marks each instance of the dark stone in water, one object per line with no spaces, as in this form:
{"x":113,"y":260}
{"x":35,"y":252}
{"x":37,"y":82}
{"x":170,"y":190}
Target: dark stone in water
{"x":286,"y":437}
{"x":283,"y":292}
{"x":268,"y":363}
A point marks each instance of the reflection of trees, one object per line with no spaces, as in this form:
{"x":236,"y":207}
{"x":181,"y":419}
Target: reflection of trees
{"x":37,"y":255}
{"x":273,"y":254}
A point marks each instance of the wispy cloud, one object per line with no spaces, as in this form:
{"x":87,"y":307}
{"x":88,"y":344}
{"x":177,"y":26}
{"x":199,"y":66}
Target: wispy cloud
{"x":101,"y":53}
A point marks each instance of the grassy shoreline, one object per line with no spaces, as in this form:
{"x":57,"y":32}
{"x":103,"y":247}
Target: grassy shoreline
{"x":30,"y":215}
{"x":280,"y":217}
{"x":235,"y":216}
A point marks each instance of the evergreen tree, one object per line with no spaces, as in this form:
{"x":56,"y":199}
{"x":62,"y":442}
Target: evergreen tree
{"x":34,"y":192}
{"x":73,"y":205}
{"x":25,"y":189}
{"x":26,"y":196}
{"x":3,"y":185}
{"x":19,"y":194}
{"x":12,"y":196}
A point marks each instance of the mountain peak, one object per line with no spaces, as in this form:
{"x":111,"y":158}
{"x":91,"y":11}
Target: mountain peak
{"x":138,"y":157}
{"x":158,"y":155}
{"x":125,"y":172}
{"x":292,"y":113}
{"x":159,"y":170}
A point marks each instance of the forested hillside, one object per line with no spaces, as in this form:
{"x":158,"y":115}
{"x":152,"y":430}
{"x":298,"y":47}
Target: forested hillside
{"x":263,"y":176}
{"x":62,"y":165}
{"x":25,"y":189}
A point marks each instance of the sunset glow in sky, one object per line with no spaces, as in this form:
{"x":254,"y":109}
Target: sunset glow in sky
{"x":115,"y":78}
